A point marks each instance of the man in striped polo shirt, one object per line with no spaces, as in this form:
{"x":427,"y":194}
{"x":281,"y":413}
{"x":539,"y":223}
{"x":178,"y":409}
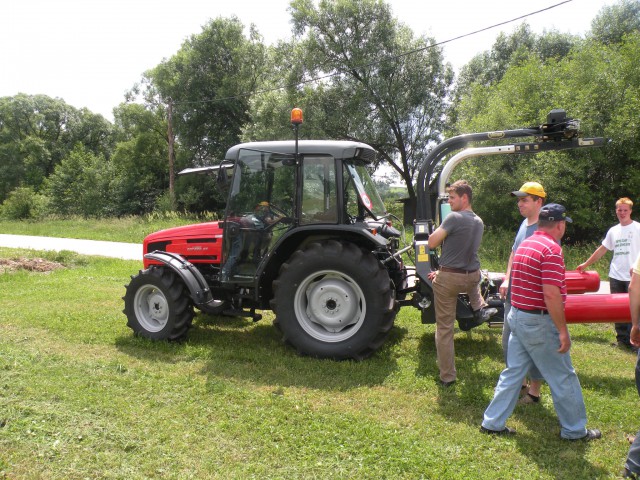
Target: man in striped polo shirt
{"x":539,"y":334}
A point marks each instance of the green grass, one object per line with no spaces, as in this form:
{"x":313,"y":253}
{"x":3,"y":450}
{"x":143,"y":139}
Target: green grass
{"x":81,"y":397}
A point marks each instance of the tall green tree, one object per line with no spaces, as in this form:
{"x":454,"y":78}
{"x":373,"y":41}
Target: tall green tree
{"x":209,"y":81}
{"x":377,"y":83}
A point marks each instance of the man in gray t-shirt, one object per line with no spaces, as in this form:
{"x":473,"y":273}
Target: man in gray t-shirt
{"x":460,"y":235}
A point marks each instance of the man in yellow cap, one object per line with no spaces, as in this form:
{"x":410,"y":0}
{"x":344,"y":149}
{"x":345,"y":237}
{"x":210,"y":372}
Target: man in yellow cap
{"x":531,"y":198}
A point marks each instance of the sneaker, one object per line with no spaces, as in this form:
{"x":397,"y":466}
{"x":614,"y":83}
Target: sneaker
{"x":504,"y":431}
{"x":484,"y":314}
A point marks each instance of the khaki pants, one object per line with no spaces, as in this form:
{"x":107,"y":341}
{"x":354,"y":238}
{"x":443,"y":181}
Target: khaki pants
{"x":446,"y":287}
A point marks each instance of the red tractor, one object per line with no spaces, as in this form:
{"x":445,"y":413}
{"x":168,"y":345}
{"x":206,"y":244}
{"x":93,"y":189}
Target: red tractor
{"x":305,"y":234}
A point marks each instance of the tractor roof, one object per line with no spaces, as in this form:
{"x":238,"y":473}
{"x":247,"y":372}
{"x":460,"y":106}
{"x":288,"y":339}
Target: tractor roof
{"x":335,"y":148}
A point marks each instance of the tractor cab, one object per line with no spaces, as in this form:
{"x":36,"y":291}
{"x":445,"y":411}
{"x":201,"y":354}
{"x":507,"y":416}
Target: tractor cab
{"x":279,"y":188}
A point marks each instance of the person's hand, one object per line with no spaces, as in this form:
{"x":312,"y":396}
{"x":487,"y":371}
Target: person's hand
{"x":504,"y":287}
{"x":432,"y":274}
{"x":635,"y":336}
{"x":565,"y":342}
{"x":581,"y":267}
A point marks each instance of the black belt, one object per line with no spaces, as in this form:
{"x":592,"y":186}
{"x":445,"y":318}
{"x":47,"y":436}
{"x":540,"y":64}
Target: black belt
{"x":456,"y":270}
{"x":533,"y":311}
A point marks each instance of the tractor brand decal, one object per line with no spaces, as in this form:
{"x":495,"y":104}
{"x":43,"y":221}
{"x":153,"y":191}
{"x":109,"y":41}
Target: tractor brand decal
{"x":366,"y":200}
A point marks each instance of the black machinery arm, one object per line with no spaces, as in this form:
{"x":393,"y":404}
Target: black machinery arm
{"x":559,"y":133}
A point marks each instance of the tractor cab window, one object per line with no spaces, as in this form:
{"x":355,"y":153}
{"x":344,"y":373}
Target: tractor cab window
{"x":361,"y":198}
{"x":259,"y":211}
{"x":319,"y":190}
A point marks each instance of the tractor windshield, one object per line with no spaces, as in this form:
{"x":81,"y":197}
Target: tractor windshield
{"x":361,"y":193}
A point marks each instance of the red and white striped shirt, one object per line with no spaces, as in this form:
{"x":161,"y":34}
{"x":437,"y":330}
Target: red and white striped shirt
{"x":538,"y":261}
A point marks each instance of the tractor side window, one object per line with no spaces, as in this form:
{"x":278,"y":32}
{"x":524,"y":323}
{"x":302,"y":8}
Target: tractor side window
{"x":319,"y":190}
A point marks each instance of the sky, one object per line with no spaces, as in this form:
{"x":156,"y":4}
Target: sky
{"x":90,"y":52}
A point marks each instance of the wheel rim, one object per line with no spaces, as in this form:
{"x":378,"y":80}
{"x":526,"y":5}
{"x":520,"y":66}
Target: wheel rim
{"x":151,"y":308}
{"x":330,"y":306}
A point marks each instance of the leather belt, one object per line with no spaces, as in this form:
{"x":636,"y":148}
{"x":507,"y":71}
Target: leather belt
{"x":534,"y":311}
{"x":456,"y":270}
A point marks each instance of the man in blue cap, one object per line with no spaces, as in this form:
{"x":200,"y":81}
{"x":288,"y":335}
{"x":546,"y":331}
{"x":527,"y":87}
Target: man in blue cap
{"x":539,"y":334}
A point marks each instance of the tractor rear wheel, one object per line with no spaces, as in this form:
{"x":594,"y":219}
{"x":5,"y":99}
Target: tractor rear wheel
{"x":157,"y":305}
{"x":334,"y":300}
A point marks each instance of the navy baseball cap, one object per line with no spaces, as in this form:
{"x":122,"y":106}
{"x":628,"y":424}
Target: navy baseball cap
{"x":554,"y":212}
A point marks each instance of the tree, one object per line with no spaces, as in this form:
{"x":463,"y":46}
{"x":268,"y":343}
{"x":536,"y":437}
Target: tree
{"x":37,"y":131}
{"x":379,"y":84}
{"x":615,"y":21}
{"x":488,"y":68}
{"x":139,"y":160}
{"x":210,"y":81}
{"x":598,"y":84}
{"x":80,"y":185}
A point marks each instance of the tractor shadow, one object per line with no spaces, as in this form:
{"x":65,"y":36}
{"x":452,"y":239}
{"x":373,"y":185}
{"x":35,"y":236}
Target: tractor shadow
{"x":238,"y":350}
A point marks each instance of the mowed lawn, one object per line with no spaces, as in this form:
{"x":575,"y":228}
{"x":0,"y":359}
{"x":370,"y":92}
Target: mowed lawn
{"x":81,"y":397}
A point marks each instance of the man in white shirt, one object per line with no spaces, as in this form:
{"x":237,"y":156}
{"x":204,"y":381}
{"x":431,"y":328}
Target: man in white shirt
{"x":624,"y":240}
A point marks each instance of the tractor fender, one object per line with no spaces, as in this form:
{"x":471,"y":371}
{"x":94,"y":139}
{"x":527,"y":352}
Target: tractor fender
{"x":190,"y":275}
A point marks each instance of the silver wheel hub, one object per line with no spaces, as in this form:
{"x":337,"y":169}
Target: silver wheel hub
{"x":151,"y":308}
{"x":330,"y":306}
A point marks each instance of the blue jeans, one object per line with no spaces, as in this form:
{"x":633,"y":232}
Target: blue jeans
{"x":534,"y":373}
{"x":534,"y":340}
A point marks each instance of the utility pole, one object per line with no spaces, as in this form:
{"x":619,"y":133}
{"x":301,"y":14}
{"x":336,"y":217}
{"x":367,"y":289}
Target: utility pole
{"x":172,"y":155}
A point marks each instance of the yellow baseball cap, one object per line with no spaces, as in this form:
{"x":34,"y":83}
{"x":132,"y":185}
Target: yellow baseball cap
{"x":530,"y":188}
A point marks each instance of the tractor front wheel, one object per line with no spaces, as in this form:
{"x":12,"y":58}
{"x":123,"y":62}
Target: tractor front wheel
{"x":334,"y":300}
{"x":157,"y":305}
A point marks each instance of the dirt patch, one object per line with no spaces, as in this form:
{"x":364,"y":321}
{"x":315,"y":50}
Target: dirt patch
{"x":30,"y":264}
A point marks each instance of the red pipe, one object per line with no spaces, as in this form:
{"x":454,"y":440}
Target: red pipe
{"x":581,"y":282}
{"x":601,"y":308}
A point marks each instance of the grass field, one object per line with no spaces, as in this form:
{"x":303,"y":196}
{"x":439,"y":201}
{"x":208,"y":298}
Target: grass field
{"x":81,"y":397}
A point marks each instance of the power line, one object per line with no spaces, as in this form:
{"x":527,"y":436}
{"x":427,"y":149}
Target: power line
{"x":366,"y":65}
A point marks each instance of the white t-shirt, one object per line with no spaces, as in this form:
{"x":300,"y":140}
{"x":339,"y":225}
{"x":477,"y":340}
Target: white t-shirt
{"x":625,"y":243}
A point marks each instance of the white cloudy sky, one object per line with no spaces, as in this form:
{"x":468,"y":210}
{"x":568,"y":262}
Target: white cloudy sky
{"x":89,"y":52}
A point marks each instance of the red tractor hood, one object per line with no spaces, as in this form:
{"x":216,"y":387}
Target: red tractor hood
{"x":198,"y":243}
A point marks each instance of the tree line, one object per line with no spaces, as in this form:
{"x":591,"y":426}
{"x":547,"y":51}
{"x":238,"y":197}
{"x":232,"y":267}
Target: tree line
{"x":359,"y":74}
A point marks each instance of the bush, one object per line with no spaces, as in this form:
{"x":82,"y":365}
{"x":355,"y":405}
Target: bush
{"x":23,"y":203}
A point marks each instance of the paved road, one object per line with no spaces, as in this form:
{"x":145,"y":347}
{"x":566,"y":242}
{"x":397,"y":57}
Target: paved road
{"x":126,"y":251}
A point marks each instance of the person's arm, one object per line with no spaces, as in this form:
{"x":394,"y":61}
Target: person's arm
{"x":504,"y":286}
{"x":553,"y":300}
{"x":437,"y":237}
{"x":595,"y":256}
{"x":634,"y":307}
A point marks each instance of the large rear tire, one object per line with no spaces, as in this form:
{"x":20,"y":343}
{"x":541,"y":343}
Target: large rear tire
{"x":157,"y":305}
{"x":334,"y":300}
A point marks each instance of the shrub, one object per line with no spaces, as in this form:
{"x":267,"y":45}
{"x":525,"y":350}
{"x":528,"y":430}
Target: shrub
{"x":23,"y":203}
